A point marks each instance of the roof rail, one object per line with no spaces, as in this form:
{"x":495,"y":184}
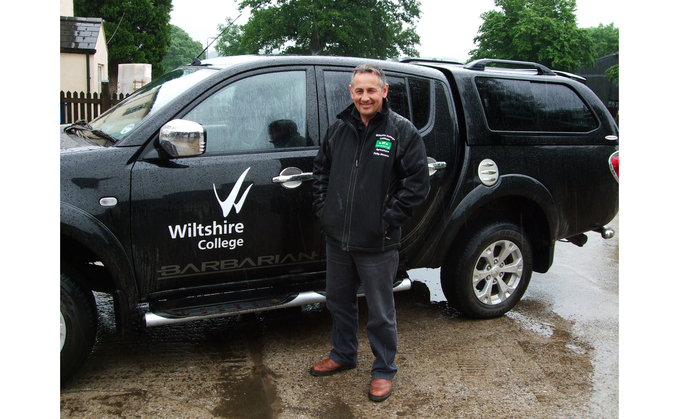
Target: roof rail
{"x":415,"y":60}
{"x":480,"y":65}
{"x":570,"y":75}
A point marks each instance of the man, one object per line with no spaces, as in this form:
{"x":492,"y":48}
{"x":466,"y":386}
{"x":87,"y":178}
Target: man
{"x":369,"y":176}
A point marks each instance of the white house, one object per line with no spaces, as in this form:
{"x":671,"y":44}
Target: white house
{"x":84,"y":56}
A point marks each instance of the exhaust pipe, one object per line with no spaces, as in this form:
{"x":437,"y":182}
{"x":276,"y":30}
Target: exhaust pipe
{"x":606,"y":232}
{"x":580,"y":239}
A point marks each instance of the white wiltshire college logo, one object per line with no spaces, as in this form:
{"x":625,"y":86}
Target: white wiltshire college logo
{"x":230,"y":201}
{"x":217,"y":234}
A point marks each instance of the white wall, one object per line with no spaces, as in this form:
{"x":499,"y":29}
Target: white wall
{"x":73,"y":68}
{"x":66,"y":8}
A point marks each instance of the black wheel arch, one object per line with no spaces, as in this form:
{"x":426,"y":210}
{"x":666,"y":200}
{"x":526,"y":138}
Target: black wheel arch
{"x":518,"y":199}
{"x":84,"y":241}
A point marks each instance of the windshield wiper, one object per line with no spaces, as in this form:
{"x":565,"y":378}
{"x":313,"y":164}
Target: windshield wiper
{"x":84,"y":130}
{"x":102,"y":134}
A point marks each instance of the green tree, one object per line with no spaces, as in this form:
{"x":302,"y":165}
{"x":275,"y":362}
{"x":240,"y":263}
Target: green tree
{"x":229,"y":43}
{"x":606,"y":39}
{"x":182,"y":49}
{"x":613,"y":74}
{"x":366,"y":28}
{"x":543,"y":31}
{"x":137,"y":31}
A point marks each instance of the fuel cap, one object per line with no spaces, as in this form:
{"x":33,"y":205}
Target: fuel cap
{"x":488,"y":172}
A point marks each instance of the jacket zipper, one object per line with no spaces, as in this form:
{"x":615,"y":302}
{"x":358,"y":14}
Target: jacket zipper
{"x":350,"y":195}
{"x":352,"y":185}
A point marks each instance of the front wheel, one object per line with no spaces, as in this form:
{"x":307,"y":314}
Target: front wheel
{"x":78,"y":324}
{"x":488,"y":271}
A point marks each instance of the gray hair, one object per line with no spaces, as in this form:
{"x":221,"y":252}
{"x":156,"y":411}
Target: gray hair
{"x":370,"y":68}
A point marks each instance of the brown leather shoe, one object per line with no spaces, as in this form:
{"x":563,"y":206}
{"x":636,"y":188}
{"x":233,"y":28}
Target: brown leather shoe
{"x":328,"y":367}
{"x":380,"y":389}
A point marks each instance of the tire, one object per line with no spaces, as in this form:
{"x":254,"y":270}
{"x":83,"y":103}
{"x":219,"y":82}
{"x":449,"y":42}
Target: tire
{"x":488,"y":271}
{"x":78,"y":324}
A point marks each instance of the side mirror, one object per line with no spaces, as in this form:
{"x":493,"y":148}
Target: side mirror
{"x":180,"y":138}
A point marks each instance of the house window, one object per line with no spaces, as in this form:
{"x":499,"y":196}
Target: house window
{"x":100,"y":76}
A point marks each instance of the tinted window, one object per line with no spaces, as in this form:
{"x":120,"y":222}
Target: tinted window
{"x":520,"y":105}
{"x":337,"y":92}
{"x":256,"y":113}
{"x":398,"y":96}
{"x":420,"y":94}
{"x":338,"y":96}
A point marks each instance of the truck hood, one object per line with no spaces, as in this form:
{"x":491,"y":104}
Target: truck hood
{"x":70,"y":141}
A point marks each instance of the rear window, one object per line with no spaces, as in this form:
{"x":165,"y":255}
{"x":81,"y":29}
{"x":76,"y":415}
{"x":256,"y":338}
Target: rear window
{"x":522,"y":105}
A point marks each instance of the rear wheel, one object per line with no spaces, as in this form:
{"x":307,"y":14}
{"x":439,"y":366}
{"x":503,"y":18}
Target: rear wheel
{"x":78,"y":324}
{"x":488,"y":271}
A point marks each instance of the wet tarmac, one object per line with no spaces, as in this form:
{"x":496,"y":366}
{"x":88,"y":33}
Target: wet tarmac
{"x":554,"y":356}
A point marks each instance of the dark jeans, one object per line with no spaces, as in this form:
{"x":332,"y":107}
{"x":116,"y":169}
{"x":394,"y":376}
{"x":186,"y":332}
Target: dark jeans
{"x":376,"y":271}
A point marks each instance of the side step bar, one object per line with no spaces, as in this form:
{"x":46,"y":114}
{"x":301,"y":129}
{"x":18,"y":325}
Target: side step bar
{"x":305,"y":298}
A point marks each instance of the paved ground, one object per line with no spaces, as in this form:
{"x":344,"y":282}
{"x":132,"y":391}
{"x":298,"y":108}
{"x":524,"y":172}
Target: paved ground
{"x":554,"y":356}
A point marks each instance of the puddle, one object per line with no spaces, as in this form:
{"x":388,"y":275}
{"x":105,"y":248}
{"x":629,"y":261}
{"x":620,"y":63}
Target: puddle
{"x":541,"y":328}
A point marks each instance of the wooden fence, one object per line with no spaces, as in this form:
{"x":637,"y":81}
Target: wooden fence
{"x":75,"y":106}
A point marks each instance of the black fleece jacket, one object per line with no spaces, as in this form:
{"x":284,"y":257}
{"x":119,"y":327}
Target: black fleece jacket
{"x":366,"y":187}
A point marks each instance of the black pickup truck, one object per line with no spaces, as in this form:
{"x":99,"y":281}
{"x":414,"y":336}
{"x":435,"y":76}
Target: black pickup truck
{"x":193,"y":196}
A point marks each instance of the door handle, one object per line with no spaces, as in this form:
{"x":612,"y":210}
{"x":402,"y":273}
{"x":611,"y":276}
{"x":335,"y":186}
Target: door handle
{"x":292,"y":177}
{"x":435,"y":165}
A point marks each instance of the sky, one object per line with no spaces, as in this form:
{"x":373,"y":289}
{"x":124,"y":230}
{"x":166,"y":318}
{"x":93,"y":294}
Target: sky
{"x":458,"y":21}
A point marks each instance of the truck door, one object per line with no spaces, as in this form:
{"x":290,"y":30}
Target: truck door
{"x":426,"y":104}
{"x":226,"y":217}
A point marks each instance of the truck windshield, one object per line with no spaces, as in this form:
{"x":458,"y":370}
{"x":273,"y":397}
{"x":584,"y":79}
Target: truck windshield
{"x":118,"y":121}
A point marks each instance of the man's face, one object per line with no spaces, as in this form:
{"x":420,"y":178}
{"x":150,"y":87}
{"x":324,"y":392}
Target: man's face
{"x":368,"y":95}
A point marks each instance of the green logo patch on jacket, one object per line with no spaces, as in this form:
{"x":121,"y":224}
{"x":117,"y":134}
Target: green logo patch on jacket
{"x":386,"y":145}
